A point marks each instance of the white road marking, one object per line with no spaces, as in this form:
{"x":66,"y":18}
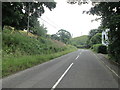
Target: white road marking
{"x":61,"y":77}
{"x":108,"y":67}
{"x":112,"y":71}
{"x":77,"y":57}
{"x":115,"y":73}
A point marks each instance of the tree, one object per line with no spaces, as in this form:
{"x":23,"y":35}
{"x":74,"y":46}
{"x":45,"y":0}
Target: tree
{"x":91,"y":34}
{"x":16,"y":13}
{"x":110,"y":15}
{"x":54,"y":36}
{"x":11,"y":13}
{"x":38,"y":29}
{"x":64,"y":35}
{"x":96,"y":39}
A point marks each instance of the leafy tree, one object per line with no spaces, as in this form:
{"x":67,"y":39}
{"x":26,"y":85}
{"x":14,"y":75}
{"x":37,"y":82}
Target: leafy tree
{"x":96,"y":39}
{"x":38,"y":29}
{"x":54,"y":36}
{"x":110,"y":15}
{"x":91,"y":34}
{"x":64,"y":35}
{"x":13,"y":14}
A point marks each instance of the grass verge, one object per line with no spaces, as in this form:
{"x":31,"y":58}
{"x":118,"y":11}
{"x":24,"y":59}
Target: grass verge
{"x":14,"y":64}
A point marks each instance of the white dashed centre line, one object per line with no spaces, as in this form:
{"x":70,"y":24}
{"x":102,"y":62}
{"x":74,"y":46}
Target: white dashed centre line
{"x":61,"y":77}
{"x":77,"y":57}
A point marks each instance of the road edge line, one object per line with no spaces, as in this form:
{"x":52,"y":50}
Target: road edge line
{"x":107,"y":66}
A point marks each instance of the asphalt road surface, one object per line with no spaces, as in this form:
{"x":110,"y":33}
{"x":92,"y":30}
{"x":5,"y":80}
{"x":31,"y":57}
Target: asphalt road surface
{"x":79,"y":69}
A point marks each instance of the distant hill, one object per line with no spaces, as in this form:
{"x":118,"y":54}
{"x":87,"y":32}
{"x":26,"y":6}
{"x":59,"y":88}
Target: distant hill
{"x":79,"y":42}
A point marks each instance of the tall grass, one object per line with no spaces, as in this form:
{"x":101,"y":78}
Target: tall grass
{"x":21,"y":51}
{"x":15,"y":64}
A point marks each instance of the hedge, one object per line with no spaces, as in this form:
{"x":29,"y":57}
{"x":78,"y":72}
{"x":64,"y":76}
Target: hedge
{"x":99,"y":48}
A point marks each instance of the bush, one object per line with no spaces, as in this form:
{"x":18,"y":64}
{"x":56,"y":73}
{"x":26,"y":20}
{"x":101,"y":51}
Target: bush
{"x":96,"y":39}
{"x":99,"y":48}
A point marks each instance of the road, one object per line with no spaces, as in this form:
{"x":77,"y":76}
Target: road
{"x":79,"y":69}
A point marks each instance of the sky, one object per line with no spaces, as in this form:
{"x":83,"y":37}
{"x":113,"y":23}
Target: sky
{"x":69,"y":17}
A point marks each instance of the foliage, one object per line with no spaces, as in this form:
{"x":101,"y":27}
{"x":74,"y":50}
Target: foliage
{"x":92,"y":40}
{"x":54,"y":36}
{"x":13,"y":14}
{"x":33,"y":51}
{"x":14,"y":64}
{"x":79,"y":42}
{"x":99,"y":48}
{"x":64,"y":35}
{"x":16,"y":44}
{"x":38,"y":29}
{"x":96,"y":39}
{"x":21,"y":51}
{"x":110,"y":15}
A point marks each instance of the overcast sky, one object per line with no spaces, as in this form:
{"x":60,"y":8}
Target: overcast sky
{"x":69,"y":17}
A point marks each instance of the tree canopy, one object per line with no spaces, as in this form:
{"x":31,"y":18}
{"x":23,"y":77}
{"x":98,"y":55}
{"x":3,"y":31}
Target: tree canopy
{"x":96,"y":39}
{"x":64,"y":35}
{"x":16,"y":13}
{"x":110,"y":17}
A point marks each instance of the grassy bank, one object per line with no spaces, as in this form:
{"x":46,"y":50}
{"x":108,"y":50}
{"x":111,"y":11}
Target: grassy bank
{"x":15,"y":64}
{"x":21,"y":51}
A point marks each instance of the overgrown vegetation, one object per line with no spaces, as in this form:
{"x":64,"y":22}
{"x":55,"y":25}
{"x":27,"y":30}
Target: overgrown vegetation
{"x":94,"y":37}
{"x":109,"y":13}
{"x":99,"y":48}
{"x":21,"y":51}
{"x":14,"y":64}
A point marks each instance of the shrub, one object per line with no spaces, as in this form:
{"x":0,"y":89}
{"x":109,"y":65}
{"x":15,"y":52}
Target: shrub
{"x":99,"y":48}
{"x":96,"y":39}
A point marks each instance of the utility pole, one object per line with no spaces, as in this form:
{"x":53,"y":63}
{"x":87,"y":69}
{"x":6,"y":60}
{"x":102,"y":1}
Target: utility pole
{"x":28,"y":18}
